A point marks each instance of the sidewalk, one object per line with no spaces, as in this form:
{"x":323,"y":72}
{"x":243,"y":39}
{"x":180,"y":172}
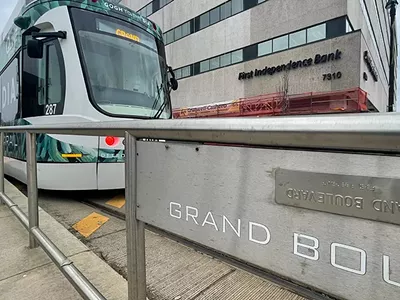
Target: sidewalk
{"x":30,"y":274}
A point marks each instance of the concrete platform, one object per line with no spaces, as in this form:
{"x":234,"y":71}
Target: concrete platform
{"x":29,"y":273}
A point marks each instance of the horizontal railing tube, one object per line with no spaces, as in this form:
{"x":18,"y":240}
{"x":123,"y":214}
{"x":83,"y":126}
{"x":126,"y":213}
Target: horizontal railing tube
{"x":16,"y":210}
{"x":360,"y":132}
{"x":75,"y":277}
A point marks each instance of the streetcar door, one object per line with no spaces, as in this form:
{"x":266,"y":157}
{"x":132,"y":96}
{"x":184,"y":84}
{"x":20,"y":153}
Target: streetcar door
{"x":43,"y":82}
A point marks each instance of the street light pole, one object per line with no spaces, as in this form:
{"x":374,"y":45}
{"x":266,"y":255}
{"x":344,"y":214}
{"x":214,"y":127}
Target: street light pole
{"x":391,"y":6}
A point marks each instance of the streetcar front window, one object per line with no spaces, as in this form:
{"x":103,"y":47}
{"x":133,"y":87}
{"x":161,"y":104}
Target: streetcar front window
{"x":124,"y":65}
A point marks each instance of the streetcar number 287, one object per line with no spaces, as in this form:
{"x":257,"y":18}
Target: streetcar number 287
{"x":332,"y":76}
{"x":50,"y":109}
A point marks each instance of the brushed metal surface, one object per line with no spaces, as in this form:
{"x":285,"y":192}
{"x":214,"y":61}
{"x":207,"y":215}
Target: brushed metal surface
{"x":358,"y":196}
{"x":343,"y":132}
{"x":202,"y":193}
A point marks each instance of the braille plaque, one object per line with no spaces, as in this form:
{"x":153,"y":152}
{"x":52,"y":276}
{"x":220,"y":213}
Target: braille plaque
{"x":372,"y":198}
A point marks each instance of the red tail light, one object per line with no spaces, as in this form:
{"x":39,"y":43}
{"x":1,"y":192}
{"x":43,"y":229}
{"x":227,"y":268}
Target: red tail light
{"x":111,"y":141}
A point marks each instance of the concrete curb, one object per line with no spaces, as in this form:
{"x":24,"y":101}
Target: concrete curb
{"x":111,"y":284}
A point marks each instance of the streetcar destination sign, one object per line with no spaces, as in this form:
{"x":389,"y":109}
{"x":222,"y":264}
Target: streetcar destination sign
{"x":364,"y":197}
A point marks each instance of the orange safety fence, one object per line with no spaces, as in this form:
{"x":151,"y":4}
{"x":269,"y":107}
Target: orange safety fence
{"x":350,"y":100}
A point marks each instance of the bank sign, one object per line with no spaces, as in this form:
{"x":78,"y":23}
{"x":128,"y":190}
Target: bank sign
{"x":328,"y":221}
{"x":292,"y":65}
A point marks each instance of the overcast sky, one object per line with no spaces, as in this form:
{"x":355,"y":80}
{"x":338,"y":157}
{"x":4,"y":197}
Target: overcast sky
{"x":7,"y":6}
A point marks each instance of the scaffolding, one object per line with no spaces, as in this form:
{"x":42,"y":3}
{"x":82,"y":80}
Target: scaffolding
{"x":278,"y":104}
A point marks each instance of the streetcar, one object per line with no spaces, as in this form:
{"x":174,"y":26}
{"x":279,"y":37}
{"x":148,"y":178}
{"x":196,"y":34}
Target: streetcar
{"x":79,"y":61}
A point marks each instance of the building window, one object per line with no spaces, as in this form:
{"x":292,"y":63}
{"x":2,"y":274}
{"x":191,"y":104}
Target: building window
{"x":152,"y":7}
{"x":178,"y":33}
{"x":204,"y":20}
{"x":280,"y":43}
{"x":204,"y":66}
{"x":237,"y":6}
{"x":182,"y":72}
{"x":149,"y":9}
{"x":316,"y":33}
{"x":226,"y":10}
{"x":264,"y":48}
{"x":214,"y":16}
{"x":186,"y":29}
{"x":217,"y":14}
{"x":186,"y":71}
{"x":237,"y":56}
{"x":178,"y":73}
{"x":169,"y":37}
{"x":164,"y":2}
{"x":214,"y":63}
{"x":297,"y":38}
{"x":294,"y":39}
{"x":226,"y":59}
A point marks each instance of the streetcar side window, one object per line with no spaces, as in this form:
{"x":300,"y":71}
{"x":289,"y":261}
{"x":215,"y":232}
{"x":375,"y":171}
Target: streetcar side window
{"x":53,"y":78}
{"x":43,"y":82}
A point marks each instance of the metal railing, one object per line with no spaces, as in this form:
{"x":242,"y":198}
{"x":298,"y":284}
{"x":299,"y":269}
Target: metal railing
{"x":365,"y":133}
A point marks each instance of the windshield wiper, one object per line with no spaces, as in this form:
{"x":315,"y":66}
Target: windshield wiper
{"x":160,"y":110}
{"x":157,"y":115}
{"x":159,"y":87}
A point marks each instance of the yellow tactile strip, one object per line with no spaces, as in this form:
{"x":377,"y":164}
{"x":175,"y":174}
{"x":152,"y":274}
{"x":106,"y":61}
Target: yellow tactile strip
{"x":88,"y":225}
{"x":117,"y":201}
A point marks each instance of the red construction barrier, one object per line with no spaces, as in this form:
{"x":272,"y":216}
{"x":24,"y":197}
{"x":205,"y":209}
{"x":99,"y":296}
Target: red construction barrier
{"x":351,"y":100}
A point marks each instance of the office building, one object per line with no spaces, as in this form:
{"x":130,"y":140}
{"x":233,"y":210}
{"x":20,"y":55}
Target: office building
{"x":223,"y":51}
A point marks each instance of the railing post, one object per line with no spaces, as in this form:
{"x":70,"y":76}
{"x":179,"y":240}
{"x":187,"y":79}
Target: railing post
{"x":135,"y":239}
{"x":31,"y":170}
{"x":1,"y":165}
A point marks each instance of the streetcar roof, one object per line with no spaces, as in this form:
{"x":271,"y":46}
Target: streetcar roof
{"x":31,"y":12}
{"x":38,"y":7}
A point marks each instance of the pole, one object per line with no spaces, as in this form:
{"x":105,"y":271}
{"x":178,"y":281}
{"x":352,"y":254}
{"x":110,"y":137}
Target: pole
{"x":31,"y":170}
{"x":135,"y":239}
{"x":391,"y":5}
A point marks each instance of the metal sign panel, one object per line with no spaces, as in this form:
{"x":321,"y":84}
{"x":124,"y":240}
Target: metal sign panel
{"x":224,"y":198}
{"x":358,"y":196}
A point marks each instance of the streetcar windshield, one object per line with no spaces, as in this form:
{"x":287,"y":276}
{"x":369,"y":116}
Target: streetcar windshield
{"x":125,"y":66}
